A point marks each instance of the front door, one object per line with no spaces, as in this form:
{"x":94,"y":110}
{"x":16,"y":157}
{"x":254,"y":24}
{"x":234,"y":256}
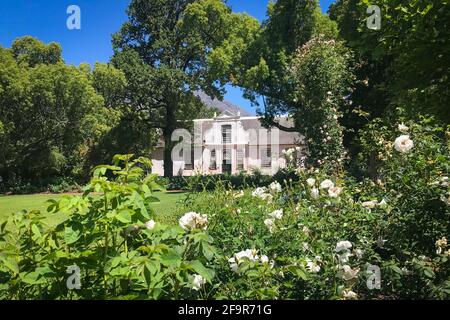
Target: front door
{"x":226,"y":161}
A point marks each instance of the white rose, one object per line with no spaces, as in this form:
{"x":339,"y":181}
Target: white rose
{"x":261,"y":193}
{"x":258,"y":192}
{"x":311,"y":182}
{"x":277,"y":214}
{"x":312,"y":266}
{"x":242,"y":256}
{"x":233,"y":264}
{"x":326,"y":184}
{"x":359,"y":253}
{"x":275,"y":186}
{"x":150,"y":224}
{"x":198,"y":282}
{"x":264,"y":259}
{"x":369,"y":204}
{"x":403,"y":128}
{"x":343,"y":245}
{"x":349,"y":294}
{"x":193,"y":220}
{"x":344,"y":257}
{"x":270,"y":224}
{"x":334,"y":192}
{"x":347,"y":273}
{"x":403,"y":144}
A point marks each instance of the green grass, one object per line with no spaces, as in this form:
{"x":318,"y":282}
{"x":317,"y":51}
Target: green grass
{"x":166,"y":210}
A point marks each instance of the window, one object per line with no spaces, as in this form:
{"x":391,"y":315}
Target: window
{"x":213,"y":160}
{"x":266,"y":157}
{"x":226,"y":133}
{"x":240,"y":159}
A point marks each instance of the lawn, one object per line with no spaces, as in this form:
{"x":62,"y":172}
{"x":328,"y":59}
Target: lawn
{"x":167,"y":209}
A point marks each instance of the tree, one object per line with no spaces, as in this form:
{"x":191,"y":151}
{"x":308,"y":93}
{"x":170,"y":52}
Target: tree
{"x":264,"y":75}
{"x":321,"y":75}
{"x":32,"y":51}
{"x":52,"y":114}
{"x":405,"y":61}
{"x":297,"y":69}
{"x":164,"y":50}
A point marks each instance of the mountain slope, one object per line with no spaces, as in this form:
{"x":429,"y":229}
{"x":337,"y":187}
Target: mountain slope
{"x":221,"y":105}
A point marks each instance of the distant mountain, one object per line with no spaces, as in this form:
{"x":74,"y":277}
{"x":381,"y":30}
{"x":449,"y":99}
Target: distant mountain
{"x":221,"y":105}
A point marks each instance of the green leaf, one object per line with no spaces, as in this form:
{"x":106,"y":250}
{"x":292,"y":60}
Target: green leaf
{"x":146,"y":190}
{"x":36,"y":231}
{"x":10,"y":263}
{"x":427,"y":9}
{"x":124,"y":216}
{"x":198,"y":267}
{"x":208,"y":251}
{"x":301,"y":274}
{"x":252,"y":273}
{"x":429,"y":273}
{"x":171,"y":258}
{"x":153,"y":266}
{"x":36,"y":277}
{"x":396,"y":269}
{"x":71,"y":234}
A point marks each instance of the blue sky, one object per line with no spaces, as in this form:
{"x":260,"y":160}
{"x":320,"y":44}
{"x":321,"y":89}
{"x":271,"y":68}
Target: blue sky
{"x":46,"y":20}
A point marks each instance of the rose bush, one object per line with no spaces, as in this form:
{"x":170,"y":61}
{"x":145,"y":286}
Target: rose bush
{"x":324,"y":235}
{"x":318,"y":236}
{"x":109,"y":234}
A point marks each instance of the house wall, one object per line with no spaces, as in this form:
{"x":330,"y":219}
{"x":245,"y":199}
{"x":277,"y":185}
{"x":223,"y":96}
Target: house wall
{"x":247,"y":134}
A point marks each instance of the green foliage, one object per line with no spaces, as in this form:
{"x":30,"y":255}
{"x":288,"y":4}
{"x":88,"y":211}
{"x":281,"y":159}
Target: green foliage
{"x":302,"y":234}
{"x":107,"y":237}
{"x":164,"y":51}
{"x":404,"y":62}
{"x":416,"y":179}
{"x":31,"y":51}
{"x":321,"y":76}
{"x":290,"y":25}
{"x":290,"y":65}
{"x":395,"y":224}
{"x":59,"y":120}
{"x":309,"y":237}
{"x":237,"y":181}
{"x":110,"y":83}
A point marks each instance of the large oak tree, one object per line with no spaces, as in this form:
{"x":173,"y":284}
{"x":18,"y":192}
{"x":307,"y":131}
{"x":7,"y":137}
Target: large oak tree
{"x":169,"y":50}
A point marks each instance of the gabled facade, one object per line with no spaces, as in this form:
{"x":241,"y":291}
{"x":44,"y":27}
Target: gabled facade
{"x":229,"y":143}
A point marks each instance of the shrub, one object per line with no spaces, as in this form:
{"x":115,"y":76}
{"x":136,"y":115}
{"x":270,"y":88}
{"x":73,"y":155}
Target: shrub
{"x":312,"y":236}
{"x":236,"y":181}
{"x":111,"y":239}
{"x":398,"y":222}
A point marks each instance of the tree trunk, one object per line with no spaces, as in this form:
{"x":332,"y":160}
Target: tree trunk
{"x":168,"y":163}
{"x":168,"y":144}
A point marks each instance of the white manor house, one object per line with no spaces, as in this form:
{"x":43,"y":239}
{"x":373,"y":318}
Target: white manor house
{"x":229,"y":143}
